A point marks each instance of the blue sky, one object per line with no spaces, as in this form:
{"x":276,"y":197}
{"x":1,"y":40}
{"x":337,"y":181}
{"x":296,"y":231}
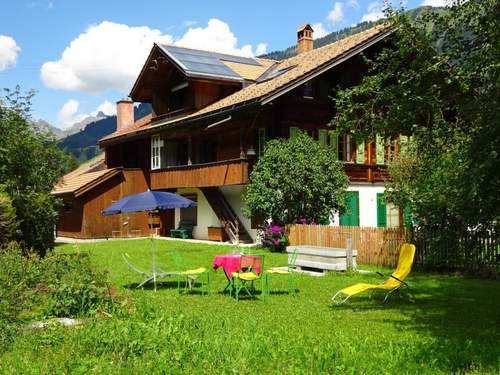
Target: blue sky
{"x":85,"y":55}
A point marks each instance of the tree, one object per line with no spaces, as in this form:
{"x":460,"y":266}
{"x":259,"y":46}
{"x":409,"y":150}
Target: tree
{"x":296,"y":180}
{"x":438,"y":82}
{"x":8,"y":221}
{"x":30,"y":165}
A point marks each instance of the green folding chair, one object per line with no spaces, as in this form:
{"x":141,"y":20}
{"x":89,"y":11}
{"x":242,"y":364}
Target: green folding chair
{"x":250,"y":270}
{"x":290,"y":268}
{"x":189,"y":277}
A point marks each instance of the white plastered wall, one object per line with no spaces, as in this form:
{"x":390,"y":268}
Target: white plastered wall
{"x":234,"y":196}
{"x":367,"y":204}
{"x":206,"y":217}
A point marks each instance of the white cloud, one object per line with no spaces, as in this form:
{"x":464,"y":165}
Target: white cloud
{"x":375,"y":11}
{"x":50,"y":5}
{"x":217,"y":36}
{"x":189,"y":23}
{"x":261,"y":49}
{"x":68,"y":114}
{"x":110,"y":55}
{"x":108,"y":108}
{"x":106,"y":56}
{"x":436,"y":3}
{"x":319,"y":30}
{"x":337,"y":13}
{"x":352,"y":4}
{"x":8,"y":52}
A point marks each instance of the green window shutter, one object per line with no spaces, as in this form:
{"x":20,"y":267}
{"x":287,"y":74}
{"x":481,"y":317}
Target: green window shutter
{"x":293,"y":132}
{"x":322,"y":136}
{"x":379,"y":150}
{"x":407,"y":220}
{"x":381,"y":210}
{"x":351,"y":217}
{"x":334,"y":142}
{"x":360,"y":152}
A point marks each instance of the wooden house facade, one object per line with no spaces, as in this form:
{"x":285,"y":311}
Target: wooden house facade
{"x":212,"y":115}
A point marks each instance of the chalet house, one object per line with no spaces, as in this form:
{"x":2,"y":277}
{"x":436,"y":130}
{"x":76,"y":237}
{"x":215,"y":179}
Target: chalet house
{"x":212,"y":115}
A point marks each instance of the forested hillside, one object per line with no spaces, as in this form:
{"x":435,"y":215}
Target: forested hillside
{"x":83,"y":145}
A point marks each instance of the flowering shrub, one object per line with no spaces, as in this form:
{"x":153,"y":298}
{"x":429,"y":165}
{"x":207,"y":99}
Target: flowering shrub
{"x":273,"y":236}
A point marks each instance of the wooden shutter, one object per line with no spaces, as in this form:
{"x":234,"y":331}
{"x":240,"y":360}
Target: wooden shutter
{"x":379,"y":150}
{"x":322,"y":136}
{"x":293,"y":132}
{"x":360,"y":152}
{"x":381,"y":211}
{"x":334,"y":142}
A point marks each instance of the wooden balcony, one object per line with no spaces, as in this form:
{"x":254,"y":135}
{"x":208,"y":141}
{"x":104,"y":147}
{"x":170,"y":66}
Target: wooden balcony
{"x":221,"y":173}
{"x":366,"y":172}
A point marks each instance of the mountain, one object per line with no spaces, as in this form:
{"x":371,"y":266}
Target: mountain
{"x":83,"y":144}
{"x":337,"y":35}
{"x":44,"y":127}
{"x":76,"y":127}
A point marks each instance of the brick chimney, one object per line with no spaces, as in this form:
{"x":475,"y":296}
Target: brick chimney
{"x":305,"y":38}
{"x":124,"y":114}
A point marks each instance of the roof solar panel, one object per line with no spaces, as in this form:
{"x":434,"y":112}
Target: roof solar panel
{"x":205,"y":62}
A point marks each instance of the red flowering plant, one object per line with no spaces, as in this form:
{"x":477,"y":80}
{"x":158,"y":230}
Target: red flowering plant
{"x":273,"y":236}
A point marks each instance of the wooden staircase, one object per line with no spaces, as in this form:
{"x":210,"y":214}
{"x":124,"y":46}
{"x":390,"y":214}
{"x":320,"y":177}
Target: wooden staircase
{"x":228,"y":218}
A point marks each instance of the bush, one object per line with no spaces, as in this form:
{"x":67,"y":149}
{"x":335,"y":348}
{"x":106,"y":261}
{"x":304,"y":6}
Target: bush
{"x":75,"y":288}
{"x":296,"y":178}
{"x":8,"y":222}
{"x":55,"y":286}
{"x":37,"y":216}
{"x":273,"y":236}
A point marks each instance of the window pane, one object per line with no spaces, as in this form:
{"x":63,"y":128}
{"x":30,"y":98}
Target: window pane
{"x":190,"y":213}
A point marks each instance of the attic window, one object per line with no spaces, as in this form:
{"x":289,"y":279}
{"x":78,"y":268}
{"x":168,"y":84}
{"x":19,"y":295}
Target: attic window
{"x":275,"y":74}
{"x":308,"y":90}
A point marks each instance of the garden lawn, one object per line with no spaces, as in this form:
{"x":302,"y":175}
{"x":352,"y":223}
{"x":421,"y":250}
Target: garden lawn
{"x":453,"y":326}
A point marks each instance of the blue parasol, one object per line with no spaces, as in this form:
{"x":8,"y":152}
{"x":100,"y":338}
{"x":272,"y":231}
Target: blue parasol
{"x":148,"y":201}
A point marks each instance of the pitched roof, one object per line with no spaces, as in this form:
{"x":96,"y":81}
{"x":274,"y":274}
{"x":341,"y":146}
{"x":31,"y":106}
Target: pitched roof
{"x":85,"y":177}
{"x":295,"y":70}
{"x":208,"y":64}
{"x":79,"y":184}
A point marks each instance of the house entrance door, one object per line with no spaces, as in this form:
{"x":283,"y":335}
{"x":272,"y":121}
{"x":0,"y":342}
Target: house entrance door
{"x":167,"y":219}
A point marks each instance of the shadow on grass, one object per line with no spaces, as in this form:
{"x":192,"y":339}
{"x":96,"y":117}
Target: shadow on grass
{"x":150,"y":286}
{"x":461,"y":315}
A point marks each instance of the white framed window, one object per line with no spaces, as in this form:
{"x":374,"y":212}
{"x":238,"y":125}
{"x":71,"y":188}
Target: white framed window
{"x":156,"y":151}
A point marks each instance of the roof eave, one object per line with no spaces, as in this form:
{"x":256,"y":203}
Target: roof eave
{"x":320,"y":70}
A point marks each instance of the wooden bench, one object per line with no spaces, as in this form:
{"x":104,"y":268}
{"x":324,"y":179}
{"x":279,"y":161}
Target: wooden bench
{"x":321,"y":258}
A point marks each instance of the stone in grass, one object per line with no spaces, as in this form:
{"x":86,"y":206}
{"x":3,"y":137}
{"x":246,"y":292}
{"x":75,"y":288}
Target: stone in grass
{"x":67,"y":322}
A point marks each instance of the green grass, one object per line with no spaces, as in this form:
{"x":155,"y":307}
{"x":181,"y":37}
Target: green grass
{"x":453,"y":326}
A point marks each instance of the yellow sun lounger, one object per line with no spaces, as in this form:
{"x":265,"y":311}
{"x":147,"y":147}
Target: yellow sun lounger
{"x":393,"y":284}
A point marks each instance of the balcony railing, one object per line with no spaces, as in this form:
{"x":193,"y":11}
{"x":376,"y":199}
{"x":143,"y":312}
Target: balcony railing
{"x":221,"y":173}
{"x":366,"y":172}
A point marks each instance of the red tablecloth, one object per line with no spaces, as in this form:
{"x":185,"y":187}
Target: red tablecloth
{"x":230,"y":263}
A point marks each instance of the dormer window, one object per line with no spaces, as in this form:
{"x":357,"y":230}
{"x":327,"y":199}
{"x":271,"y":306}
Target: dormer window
{"x":308,"y":90}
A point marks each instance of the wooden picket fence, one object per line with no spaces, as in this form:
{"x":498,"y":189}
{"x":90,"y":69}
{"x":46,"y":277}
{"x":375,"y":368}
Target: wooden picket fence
{"x":377,"y":246}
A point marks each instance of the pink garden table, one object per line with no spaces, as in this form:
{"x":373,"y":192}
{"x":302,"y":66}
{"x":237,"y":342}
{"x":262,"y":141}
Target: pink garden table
{"x":230,"y":263}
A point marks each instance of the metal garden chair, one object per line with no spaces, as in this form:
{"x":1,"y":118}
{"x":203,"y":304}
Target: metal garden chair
{"x":190,"y":276}
{"x":250,"y":270}
{"x":284,"y":272}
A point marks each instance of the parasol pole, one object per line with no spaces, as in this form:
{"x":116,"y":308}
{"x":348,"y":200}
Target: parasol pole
{"x":153,"y":246}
